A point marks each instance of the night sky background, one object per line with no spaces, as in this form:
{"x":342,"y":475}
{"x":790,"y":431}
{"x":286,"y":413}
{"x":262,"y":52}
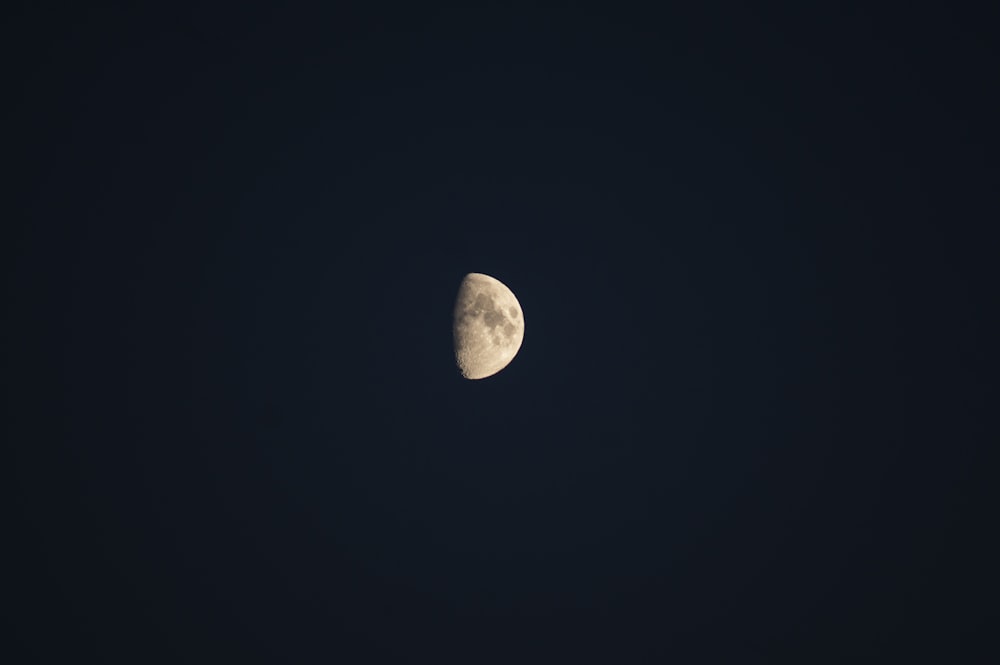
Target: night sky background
{"x":750,"y":418}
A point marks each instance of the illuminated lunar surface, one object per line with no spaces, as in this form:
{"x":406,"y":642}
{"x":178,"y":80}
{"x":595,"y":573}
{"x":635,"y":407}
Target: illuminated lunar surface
{"x":488,"y":326}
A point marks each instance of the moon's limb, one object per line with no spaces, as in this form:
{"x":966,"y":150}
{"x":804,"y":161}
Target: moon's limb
{"x":488,"y":326}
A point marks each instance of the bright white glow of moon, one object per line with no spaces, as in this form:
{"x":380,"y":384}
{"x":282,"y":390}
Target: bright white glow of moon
{"x":488,"y":326}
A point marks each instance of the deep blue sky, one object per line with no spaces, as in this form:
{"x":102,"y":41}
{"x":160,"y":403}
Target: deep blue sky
{"x":748,"y":422}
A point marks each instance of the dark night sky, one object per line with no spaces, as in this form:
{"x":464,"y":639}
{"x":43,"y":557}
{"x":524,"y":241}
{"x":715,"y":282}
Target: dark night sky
{"x":749,"y":419}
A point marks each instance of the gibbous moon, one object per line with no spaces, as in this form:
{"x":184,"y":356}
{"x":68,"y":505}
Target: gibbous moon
{"x":488,"y":326}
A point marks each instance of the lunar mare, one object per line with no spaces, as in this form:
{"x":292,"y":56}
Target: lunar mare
{"x":488,"y":326}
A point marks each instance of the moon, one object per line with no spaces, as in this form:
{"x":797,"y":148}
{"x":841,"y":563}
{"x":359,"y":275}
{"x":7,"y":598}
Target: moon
{"x":488,"y":326}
